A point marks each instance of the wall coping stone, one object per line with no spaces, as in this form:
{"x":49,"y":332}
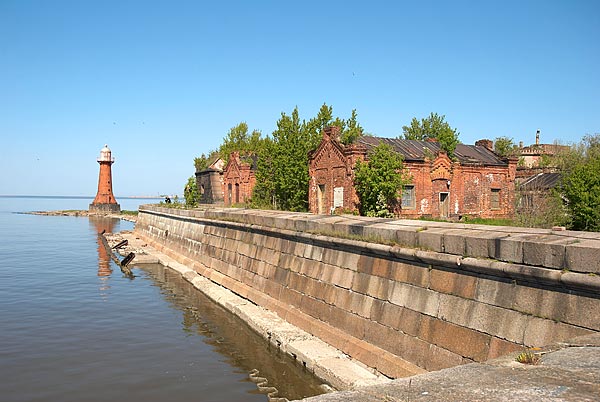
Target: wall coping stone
{"x":581,"y":262}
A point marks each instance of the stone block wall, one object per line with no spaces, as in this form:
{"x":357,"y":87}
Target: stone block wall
{"x":458,"y":294}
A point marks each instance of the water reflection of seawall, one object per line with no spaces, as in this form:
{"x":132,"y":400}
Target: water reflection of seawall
{"x":230,"y":337}
{"x":101,"y":224}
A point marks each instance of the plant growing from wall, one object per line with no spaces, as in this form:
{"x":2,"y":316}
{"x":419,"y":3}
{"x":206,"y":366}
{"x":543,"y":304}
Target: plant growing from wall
{"x":505,"y":147}
{"x":528,"y":357}
{"x":379,"y":180}
{"x":434,"y":126}
{"x":203,"y":161}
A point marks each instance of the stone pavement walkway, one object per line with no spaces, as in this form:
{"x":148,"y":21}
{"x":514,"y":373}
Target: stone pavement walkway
{"x":567,"y":371}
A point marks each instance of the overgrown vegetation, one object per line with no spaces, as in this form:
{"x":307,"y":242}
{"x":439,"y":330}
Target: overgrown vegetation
{"x":282,"y":179}
{"x":238,"y":139}
{"x":191,"y":193}
{"x":172,"y":203}
{"x":435,"y":127}
{"x":575,"y":201}
{"x":379,"y":180}
{"x":127,"y":212}
{"x":528,"y":357}
{"x":505,"y":147}
{"x":478,"y":221}
{"x":546,"y":212}
{"x":580,"y":184}
{"x":203,"y":161}
{"x":282,"y":169}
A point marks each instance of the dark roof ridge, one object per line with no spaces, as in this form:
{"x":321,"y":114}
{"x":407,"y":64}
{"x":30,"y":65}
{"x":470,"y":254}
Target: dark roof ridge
{"x":418,"y":150}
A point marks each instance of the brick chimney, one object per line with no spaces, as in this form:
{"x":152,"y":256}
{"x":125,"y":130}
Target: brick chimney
{"x":489,"y":144}
{"x":332,"y":132}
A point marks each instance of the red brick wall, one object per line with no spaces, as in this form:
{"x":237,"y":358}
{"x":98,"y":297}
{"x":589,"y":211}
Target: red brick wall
{"x":238,"y":181}
{"x":105,"y":194}
{"x":331,"y":166}
{"x":468,"y":188}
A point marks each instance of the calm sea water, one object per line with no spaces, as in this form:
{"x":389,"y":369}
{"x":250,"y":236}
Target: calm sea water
{"x":74,"y":328}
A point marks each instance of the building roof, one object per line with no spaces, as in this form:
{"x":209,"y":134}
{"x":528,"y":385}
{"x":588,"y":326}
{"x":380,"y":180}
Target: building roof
{"x":543,"y":149}
{"x":415,"y":151}
{"x":208,"y":171}
{"x":540,"y":181}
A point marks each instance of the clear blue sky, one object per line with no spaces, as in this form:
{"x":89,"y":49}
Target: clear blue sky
{"x":162,"y":82}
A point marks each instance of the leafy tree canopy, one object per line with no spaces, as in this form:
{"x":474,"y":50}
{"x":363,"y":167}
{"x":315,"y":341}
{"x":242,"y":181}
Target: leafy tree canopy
{"x":282,"y":172}
{"x":433,"y":126}
{"x":379,"y":180}
{"x":351,"y":129}
{"x":580,"y":186}
{"x":505,"y":147}
{"x":203,"y":161}
{"x":190,"y":193}
{"x":239,"y":139}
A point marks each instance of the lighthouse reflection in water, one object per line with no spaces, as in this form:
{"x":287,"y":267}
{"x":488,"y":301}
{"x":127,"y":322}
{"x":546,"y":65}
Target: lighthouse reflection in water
{"x":102,"y":224}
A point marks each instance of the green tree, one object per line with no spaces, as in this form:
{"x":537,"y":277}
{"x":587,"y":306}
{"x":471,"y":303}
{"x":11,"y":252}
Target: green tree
{"x":433,"y":126}
{"x":378,"y":181}
{"x":190,"y":193}
{"x":239,"y":139}
{"x":580,"y":185}
{"x":351,"y":130}
{"x":203,"y":161}
{"x":288,"y":161}
{"x":282,"y":172}
{"x":504,"y":147}
{"x":263,"y":194}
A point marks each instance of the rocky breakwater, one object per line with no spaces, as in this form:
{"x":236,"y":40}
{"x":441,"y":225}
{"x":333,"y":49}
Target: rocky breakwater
{"x":131,"y":217}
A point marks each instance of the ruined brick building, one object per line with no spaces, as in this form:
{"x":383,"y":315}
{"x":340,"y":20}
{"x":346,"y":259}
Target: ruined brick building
{"x":476,"y":182}
{"x":537,"y":155}
{"x":239,"y":178}
{"x":210,"y":183}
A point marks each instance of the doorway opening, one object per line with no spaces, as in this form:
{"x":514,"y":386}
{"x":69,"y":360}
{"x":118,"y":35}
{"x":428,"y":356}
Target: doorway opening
{"x":444,"y":205}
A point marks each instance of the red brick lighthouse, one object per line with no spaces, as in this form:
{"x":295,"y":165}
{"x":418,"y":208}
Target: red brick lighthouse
{"x":105,"y":200}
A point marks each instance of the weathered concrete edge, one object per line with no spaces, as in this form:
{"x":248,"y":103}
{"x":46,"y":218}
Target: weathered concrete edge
{"x":526,"y":273}
{"x":326,"y":362}
{"x":564,"y":373}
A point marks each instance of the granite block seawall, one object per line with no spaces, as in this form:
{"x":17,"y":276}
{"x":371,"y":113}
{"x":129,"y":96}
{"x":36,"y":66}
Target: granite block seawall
{"x":400,"y":296}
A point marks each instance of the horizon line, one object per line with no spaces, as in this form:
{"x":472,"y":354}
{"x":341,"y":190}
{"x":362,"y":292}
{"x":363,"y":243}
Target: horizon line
{"x":81,"y":196}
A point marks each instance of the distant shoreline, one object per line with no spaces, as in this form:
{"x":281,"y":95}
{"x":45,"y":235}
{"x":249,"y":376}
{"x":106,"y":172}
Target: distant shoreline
{"x":77,"y":213}
{"x":83,"y":197}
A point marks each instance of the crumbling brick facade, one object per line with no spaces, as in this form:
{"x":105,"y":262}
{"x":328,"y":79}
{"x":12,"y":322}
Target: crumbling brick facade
{"x":239,"y":179}
{"x":475,"y":183}
{"x":210,"y":183}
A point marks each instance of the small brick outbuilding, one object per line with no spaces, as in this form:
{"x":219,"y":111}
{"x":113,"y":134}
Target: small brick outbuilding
{"x":476,"y":182}
{"x":239,"y":178}
{"x":210,"y":183}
